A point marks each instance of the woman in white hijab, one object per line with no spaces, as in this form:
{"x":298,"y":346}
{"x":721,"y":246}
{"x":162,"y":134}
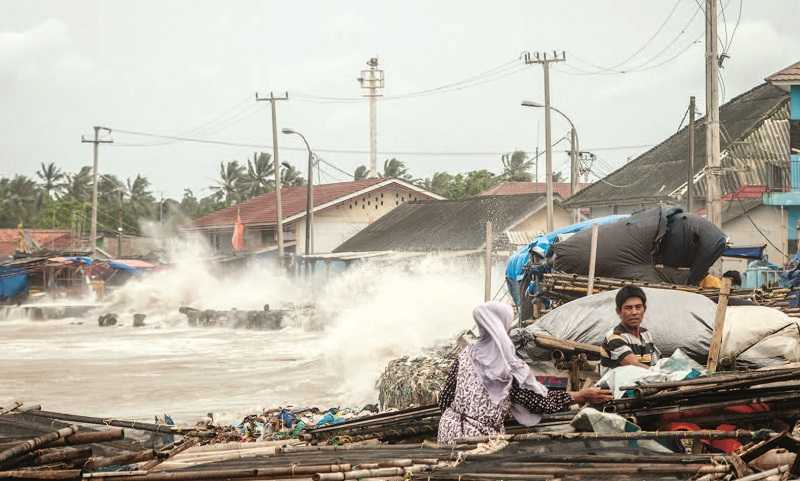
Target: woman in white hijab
{"x":488,"y":381}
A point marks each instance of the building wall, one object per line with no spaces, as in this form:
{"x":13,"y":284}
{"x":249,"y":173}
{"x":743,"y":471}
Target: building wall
{"x":336,"y":224}
{"x":742,"y":233}
{"x":537,"y":223}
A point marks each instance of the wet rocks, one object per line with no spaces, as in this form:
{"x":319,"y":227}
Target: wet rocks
{"x":107,"y":320}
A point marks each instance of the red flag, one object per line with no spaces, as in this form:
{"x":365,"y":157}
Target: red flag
{"x":238,"y":233}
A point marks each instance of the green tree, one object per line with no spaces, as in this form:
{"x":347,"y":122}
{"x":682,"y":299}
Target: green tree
{"x":361,"y":172}
{"x":395,"y":168}
{"x":140,"y":198}
{"x":259,"y":177}
{"x":516,"y":166}
{"x":290,"y":176}
{"x":51,"y":180}
{"x":229,"y":184}
{"x":79,"y":185}
{"x":477,"y":181}
{"x":18,"y":199}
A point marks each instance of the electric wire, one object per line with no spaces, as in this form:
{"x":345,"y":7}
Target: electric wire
{"x":746,"y":214}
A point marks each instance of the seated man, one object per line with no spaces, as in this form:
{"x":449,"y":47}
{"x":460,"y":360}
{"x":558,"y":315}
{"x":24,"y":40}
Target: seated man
{"x":629,"y":344}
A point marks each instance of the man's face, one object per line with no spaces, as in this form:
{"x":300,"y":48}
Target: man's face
{"x":632,"y":312}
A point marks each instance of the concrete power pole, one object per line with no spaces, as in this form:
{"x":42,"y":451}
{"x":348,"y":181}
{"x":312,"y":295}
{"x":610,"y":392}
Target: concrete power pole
{"x":690,"y":172}
{"x":542,"y":58}
{"x":573,"y":169}
{"x":713,"y":166}
{"x":372,"y":80}
{"x":277,"y":168}
{"x":96,"y":142}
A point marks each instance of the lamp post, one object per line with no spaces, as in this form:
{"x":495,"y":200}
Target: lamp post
{"x":309,"y":191}
{"x":573,"y":155}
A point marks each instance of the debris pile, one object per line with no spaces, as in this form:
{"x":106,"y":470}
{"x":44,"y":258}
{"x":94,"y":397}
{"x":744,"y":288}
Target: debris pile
{"x":415,"y":381}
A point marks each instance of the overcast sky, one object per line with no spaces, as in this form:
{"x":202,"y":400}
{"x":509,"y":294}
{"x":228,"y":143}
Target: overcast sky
{"x":191,"y":68}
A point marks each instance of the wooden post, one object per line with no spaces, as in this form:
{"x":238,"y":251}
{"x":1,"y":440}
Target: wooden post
{"x":592,"y":260}
{"x":487,"y":264}
{"x":719,"y":326}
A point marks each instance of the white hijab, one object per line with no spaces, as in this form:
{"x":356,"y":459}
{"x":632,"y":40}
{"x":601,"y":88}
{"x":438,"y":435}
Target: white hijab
{"x":496,"y":360}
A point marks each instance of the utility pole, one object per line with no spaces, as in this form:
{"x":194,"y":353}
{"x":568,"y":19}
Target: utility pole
{"x":690,"y":173}
{"x":573,"y":169}
{"x":713,"y":166}
{"x":372,"y":80}
{"x":545,"y":61}
{"x":277,"y":168}
{"x":96,"y":142}
{"x":536,"y":166}
{"x":119,"y":227}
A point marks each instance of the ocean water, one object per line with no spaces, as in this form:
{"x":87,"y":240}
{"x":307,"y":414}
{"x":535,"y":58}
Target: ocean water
{"x":363,"y":317}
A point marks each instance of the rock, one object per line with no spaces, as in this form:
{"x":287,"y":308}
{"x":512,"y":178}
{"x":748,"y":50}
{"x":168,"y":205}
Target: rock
{"x":107,"y":320}
{"x":138,"y":320}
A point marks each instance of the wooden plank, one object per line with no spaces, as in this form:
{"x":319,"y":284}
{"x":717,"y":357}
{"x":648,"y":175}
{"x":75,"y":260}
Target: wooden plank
{"x":719,"y":326}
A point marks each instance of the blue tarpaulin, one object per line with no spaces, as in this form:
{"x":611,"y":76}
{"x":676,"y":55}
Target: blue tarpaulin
{"x":13,"y":281}
{"x":515,"y":268}
{"x":749,"y":252}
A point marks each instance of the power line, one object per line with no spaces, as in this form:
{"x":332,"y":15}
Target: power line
{"x":346,"y":151}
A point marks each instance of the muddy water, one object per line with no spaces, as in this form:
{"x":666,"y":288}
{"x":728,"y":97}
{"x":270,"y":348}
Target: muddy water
{"x":365,"y":316}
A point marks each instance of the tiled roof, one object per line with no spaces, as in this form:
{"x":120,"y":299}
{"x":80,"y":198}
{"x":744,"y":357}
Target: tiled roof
{"x":651,"y":177}
{"x":445,"y":225}
{"x":516,"y":188}
{"x":790,"y":74}
{"x":260,"y":210}
{"x":51,"y":239}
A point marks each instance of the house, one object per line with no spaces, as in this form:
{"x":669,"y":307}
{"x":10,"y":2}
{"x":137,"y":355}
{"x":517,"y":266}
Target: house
{"x":760,"y":186}
{"x":562,"y":189}
{"x":33,"y":240}
{"x":457,"y":226}
{"x":754,"y":145}
{"x":341,"y":210}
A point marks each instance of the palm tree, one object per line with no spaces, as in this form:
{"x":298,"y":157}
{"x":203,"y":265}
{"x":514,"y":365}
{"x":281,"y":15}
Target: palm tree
{"x":516,"y":166}
{"x":361,"y":172}
{"x":395,"y":168}
{"x":140,"y":198}
{"x":259,"y":176}
{"x":79,"y":185}
{"x":18,"y":200}
{"x":228,"y":187}
{"x":291,"y":177}
{"x":51,"y":179}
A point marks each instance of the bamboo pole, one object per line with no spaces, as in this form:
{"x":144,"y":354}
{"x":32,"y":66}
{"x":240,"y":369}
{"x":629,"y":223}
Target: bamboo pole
{"x":719,"y":326}
{"x":638,"y":435}
{"x":765,"y":474}
{"x":714,"y":379}
{"x":31,"y":444}
{"x":592,"y":260}
{"x":58,"y":455}
{"x":487,"y":264}
{"x":263,"y":472}
{"x":91,"y":437}
{"x":119,"y":460}
{"x":158,"y":428}
{"x":42,"y":474}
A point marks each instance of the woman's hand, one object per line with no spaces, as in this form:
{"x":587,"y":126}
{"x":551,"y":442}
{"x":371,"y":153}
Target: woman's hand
{"x":591,"y":395}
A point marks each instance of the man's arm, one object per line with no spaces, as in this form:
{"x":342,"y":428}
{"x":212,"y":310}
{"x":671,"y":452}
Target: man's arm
{"x":631,"y":360}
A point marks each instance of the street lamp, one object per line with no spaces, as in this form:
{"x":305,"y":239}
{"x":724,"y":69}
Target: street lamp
{"x":573,"y":155}
{"x":309,"y":191}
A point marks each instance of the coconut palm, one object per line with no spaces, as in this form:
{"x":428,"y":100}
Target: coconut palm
{"x":516,"y":166}
{"x":79,"y":185}
{"x":229,"y":185}
{"x":18,"y":198}
{"x":260,"y":175}
{"x":140,"y":198}
{"x":361,"y":172}
{"x":395,"y":168}
{"x":291,"y":177}
{"x":51,"y":179}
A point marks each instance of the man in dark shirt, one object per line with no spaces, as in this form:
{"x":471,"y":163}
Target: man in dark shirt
{"x":628,"y":343}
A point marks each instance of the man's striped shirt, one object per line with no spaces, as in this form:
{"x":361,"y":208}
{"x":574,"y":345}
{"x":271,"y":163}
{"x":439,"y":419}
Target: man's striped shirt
{"x":621,"y":341}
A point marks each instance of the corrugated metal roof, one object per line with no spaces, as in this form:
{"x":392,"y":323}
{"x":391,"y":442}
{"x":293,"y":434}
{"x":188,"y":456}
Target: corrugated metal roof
{"x":748,"y":141}
{"x":446,"y":225}
{"x":514,"y":188}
